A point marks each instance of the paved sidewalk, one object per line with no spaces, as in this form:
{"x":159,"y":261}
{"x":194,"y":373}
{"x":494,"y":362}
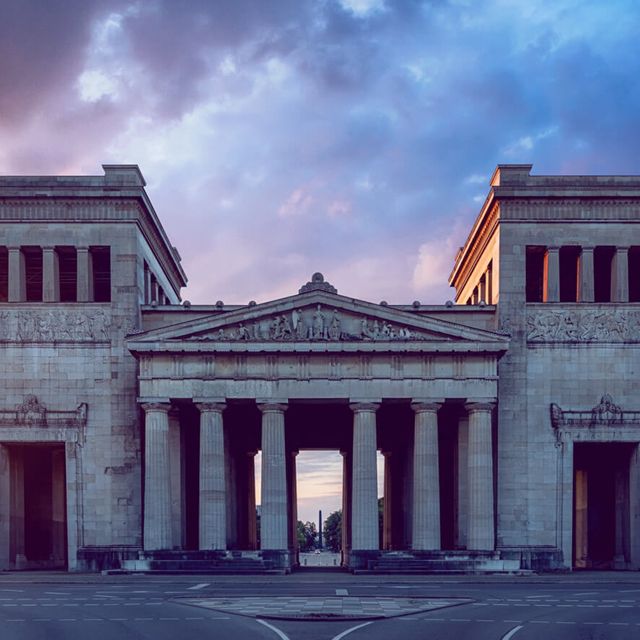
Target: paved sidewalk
{"x":333,"y":608}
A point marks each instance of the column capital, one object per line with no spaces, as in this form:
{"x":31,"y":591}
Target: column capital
{"x":583,"y":249}
{"x":426,"y":405}
{"x":164,"y":407}
{"x":48,"y":248}
{"x":620,"y":248}
{"x":210,"y":405}
{"x":14,"y":247}
{"x":473,"y":405}
{"x":364,"y":406}
{"x":279,"y":406}
{"x":553,"y":248}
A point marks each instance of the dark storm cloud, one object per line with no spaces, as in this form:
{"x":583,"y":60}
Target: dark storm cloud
{"x":287,"y":136}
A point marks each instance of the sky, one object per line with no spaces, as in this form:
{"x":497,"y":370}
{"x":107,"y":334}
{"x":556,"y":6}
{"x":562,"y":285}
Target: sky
{"x":352,"y":137}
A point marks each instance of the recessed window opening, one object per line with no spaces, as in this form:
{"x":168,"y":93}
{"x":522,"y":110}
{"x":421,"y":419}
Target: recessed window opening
{"x":4,"y":274}
{"x":569,"y":257}
{"x":634,"y":274}
{"x":602,"y":263}
{"x":101,"y":257}
{"x":33,"y":273}
{"x":534,"y":273}
{"x":68,"y":271}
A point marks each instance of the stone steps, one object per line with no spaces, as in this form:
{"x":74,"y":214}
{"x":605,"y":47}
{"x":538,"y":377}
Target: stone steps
{"x":200,"y":562}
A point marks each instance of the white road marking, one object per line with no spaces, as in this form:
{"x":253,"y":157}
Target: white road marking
{"x":348,"y":631}
{"x":56,"y":593}
{"x":202,"y":585}
{"x":275,"y":630}
{"x":511,"y":633}
{"x":586,"y":593}
{"x":342,"y":592}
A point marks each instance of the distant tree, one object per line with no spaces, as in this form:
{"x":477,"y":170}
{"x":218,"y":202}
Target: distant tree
{"x":307,"y":535}
{"x":333,"y":531}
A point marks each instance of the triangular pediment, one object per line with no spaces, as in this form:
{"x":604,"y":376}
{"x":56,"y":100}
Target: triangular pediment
{"x":320,"y":317}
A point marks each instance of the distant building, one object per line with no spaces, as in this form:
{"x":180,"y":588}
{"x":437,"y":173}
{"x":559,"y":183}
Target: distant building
{"x":509,"y":421}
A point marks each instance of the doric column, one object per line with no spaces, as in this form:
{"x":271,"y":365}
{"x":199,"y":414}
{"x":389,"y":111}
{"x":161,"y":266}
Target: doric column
{"x":273,"y":518}
{"x":551,"y":289}
{"x":364,"y":497}
{"x":84,"y":276}
{"x":620,"y":275}
{"x":585,"y":275}
{"x":17,"y":276}
{"x":292,"y":494}
{"x":213,"y":502}
{"x":480,"y":527}
{"x":50,"y":275}
{"x":387,"y":528}
{"x":176,"y":473}
{"x":463,"y":482}
{"x":426,"y":478}
{"x":345,"y":541}
{"x":157,"y":478}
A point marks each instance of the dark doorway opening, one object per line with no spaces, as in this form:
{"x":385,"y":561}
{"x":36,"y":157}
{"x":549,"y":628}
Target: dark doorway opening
{"x":601,"y":505}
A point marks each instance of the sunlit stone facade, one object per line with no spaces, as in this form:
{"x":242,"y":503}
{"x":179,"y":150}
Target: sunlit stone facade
{"x":509,"y":421}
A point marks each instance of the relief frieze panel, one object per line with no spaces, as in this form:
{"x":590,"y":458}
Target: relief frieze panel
{"x":315,"y":324}
{"x":583,"y":325}
{"x":32,"y":413}
{"x":57,"y":325}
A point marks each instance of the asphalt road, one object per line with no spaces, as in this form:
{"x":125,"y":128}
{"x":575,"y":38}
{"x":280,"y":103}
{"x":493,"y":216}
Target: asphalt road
{"x":64,"y":606}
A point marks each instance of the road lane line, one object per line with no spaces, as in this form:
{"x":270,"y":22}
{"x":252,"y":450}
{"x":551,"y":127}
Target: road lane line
{"x":342,"y":592}
{"x":511,"y":633}
{"x":202,"y":585}
{"x":275,"y":630}
{"x":348,"y":631}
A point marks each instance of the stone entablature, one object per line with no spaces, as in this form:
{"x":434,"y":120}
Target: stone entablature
{"x":606,"y":322}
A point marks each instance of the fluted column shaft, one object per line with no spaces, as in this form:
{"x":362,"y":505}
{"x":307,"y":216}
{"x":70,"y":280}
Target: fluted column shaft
{"x":213,"y":499}
{"x":273,"y":518}
{"x":17,"y":277}
{"x":585,"y":277}
{"x":620,"y":275}
{"x":157,"y":479}
{"x":364,"y":498}
{"x":551,"y":291}
{"x":84,"y":277}
{"x":50,"y":275}
{"x":480,"y":527}
{"x":426,"y":477}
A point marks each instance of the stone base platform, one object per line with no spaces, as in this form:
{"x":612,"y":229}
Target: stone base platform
{"x":210,"y":562}
{"x":433,"y":562}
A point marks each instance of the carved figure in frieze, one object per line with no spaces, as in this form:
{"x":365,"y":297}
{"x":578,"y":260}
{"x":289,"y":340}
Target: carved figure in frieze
{"x":243,"y":333}
{"x":285,"y":328}
{"x":44,"y":324}
{"x":31,"y":413}
{"x":375,"y":333}
{"x":276,"y":328}
{"x":26,"y":326}
{"x":257,"y":334}
{"x":299,"y":325}
{"x":334,"y":326}
{"x":100,"y":325}
{"x":319,"y":329}
{"x":221,"y":335}
{"x":80,"y":329}
{"x":606,"y":412}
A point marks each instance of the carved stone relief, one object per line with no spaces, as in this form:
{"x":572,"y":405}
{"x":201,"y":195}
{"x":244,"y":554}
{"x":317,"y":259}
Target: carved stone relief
{"x":314,"y":324}
{"x":49,"y":325}
{"x":32,"y":413}
{"x":605,"y":413}
{"x":583,"y":325}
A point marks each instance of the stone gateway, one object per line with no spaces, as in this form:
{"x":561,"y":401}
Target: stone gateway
{"x":509,"y":421}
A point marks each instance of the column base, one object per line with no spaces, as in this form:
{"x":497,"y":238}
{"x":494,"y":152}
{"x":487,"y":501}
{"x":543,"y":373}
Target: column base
{"x":541,"y":558}
{"x":105,"y":558}
{"x":363,"y":559}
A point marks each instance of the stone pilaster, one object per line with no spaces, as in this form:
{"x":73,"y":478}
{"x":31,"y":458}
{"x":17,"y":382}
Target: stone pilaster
{"x":17,"y":277}
{"x":620,"y":275}
{"x":84,"y":277}
{"x":585,"y":275}
{"x":364,"y":497}
{"x":213,"y":503}
{"x":50,"y":275}
{"x":273,"y":518}
{"x":480,"y":527}
{"x":551,"y":290}
{"x":157,"y":480}
{"x":426,"y":477}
